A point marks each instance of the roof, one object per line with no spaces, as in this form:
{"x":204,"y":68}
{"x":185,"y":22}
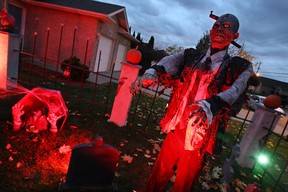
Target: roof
{"x":103,"y":11}
{"x":88,"y":5}
{"x":272,"y":82}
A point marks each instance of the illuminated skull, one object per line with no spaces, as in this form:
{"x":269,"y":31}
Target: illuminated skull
{"x":224,"y":31}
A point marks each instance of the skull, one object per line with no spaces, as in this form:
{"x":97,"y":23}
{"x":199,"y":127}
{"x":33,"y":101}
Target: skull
{"x":224,"y":31}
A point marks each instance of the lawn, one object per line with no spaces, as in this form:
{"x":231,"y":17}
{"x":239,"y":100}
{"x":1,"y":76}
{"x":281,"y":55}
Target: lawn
{"x":39,"y":161}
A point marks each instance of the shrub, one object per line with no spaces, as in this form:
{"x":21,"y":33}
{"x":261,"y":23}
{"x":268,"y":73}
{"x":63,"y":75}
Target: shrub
{"x":78,"y":71}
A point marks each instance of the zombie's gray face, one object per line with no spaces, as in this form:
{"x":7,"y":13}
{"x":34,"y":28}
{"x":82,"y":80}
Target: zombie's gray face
{"x":224,"y":31}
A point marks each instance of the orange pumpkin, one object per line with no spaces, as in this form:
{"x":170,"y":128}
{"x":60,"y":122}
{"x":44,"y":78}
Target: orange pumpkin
{"x":134,"y":56}
{"x":272,"y":101}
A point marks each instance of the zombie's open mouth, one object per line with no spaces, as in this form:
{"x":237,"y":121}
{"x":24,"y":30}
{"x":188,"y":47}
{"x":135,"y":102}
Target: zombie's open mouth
{"x":218,"y":38}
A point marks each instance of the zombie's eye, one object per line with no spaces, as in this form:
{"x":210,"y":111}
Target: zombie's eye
{"x":216,"y":25}
{"x":227,"y":25}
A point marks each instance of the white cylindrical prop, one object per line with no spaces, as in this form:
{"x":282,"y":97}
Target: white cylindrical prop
{"x":123,"y":98}
{"x":9,"y":46}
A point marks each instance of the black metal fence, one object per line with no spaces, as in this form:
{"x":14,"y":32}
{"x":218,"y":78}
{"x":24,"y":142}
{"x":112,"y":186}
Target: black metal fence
{"x":146,"y":109}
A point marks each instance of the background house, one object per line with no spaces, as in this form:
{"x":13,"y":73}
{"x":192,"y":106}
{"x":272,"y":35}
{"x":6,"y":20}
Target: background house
{"x":80,"y":28}
{"x":270,"y":86}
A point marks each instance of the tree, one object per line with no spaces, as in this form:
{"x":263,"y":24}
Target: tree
{"x":139,"y":38}
{"x":173,"y":49}
{"x":204,"y":42}
{"x":242,"y":52}
{"x":151,"y":42}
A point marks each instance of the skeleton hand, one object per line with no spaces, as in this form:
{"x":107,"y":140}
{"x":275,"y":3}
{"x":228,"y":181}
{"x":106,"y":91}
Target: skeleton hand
{"x":17,"y":112}
{"x":149,"y":78}
{"x":52,"y":118}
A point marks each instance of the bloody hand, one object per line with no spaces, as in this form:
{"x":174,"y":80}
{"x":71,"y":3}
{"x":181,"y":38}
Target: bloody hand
{"x":149,"y":78}
{"x":198,"y":114}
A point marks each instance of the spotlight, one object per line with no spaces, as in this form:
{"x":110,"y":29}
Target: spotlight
{"x":262,"y":159}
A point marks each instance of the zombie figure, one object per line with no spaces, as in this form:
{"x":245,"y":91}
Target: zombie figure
{"x":205,"y":85}
{"x":7,"y":21}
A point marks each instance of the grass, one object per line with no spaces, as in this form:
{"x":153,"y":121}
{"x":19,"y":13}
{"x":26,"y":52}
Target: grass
{"x":39,"y":162}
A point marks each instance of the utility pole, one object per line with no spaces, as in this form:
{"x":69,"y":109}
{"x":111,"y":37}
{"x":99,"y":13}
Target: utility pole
{"x":259,"y":64}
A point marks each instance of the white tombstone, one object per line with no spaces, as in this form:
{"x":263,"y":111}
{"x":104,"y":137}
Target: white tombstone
{"x":123,"y":98}
{"x":261,"y":123}
{"x":9,"y":59}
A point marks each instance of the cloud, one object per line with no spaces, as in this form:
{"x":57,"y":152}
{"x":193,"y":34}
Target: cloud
{"x":263,"y":27}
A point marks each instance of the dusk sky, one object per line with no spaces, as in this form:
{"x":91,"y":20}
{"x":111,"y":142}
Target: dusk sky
{"x":263,"y":26}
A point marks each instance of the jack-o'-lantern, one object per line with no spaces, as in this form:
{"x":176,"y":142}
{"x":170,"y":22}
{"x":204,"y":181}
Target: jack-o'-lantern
{"x":134,"y":56}
{"x":272,"y":101}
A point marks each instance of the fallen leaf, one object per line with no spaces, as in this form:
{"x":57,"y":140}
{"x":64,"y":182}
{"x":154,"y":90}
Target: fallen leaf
{"x":157,"y":146}
{"x":237,"y":189}
{"x":18,"y":165}
{"x":151,"y":141}
{"x":243,"y":174}
{"x":10,"y":158}
{"x":8,"y":146}
{"x":277,"y":167}
{"x":217,"y":169}
{"x":121,"y":144}
{"x":240,"y":184}
{"x":157,"y":128}
{"x":140,"y":150}
{"x":73,"y":127}
{"x":65,"y":149}
{"x":107,"y":115}
{"x":147,"y":156}
{"x":147,"y":151}
{"x":127,"y":158}
{"x":205,"y":185}
{"x":215,"y":175}
{"x":117,"y":174}
{"x":35,"y":139}
{"x":150,"y":163}
{"x":213,"y":186}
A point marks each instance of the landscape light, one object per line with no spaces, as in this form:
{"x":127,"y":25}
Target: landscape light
{"x":262,"y":159}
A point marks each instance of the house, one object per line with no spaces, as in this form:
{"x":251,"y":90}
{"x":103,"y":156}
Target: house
{"x":57,"y":29}
{"x":270,"y":86}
